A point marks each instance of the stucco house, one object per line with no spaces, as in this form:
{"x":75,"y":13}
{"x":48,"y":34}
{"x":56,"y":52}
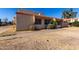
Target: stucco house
{"x":26,"y":20}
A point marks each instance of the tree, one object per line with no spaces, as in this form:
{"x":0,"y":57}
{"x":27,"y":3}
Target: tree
{"x":10,"y":23}
{"x":53,"y":24}
{"x":69,"y":13}
{"x":0,"y":22}
{"x":5,"y":21}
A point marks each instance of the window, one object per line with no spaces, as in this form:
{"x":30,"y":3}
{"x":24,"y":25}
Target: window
{"x":47,"y":22}
{"x":37,"y":21}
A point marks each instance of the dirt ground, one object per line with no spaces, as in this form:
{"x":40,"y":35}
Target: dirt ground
{"x":49,"y":39}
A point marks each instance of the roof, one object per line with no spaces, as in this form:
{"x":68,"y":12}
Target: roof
{"x":36,"y":15}
{"x":33,"y":14}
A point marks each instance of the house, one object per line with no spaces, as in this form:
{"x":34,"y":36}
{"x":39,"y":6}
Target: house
{"x":26,"y":20}
{"x":70,"y":20}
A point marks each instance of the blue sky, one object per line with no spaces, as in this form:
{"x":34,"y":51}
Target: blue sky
{"x":52,"y":12}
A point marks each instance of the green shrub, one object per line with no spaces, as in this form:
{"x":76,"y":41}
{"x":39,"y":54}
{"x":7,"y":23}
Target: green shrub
{"x":76,"y":23}
{"x":52,"y":24}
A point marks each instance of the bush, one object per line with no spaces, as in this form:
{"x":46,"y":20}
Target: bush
{"x":76,"y":23}
{"x":50,"y":26}
{"x":53,"y":24}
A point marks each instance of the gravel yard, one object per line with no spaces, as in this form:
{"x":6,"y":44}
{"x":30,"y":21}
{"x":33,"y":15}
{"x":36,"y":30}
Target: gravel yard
{"x":54,"y":39}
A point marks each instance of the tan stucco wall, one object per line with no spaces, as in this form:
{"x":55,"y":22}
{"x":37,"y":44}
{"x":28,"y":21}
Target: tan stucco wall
{"x":23,"y":22}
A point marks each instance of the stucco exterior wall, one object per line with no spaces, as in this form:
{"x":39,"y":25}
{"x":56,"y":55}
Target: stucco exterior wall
{"x":23,"y":22}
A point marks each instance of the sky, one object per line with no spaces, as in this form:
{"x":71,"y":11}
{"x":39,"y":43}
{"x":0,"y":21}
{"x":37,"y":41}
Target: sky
{"x":51,"y":12}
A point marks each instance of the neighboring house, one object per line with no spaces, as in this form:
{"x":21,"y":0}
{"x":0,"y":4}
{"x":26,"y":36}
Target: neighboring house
{"x":70,"y":20}
{"x":26,"y":20}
